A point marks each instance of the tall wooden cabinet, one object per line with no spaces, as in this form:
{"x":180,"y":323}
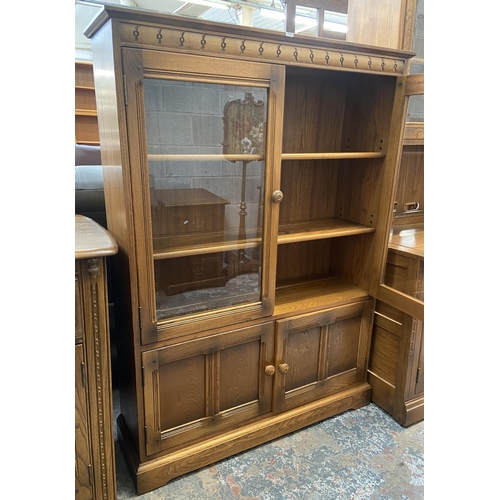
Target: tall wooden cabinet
{"x":248,"y":179}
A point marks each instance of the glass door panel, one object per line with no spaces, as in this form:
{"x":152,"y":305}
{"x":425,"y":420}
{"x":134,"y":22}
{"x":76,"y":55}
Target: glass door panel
{"x":206,"y":166}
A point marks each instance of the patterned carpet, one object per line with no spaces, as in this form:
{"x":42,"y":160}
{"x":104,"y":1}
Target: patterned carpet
{"x":358,"y":455}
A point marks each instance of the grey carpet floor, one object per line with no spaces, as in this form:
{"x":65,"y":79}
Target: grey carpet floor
{"x":358,"y":455}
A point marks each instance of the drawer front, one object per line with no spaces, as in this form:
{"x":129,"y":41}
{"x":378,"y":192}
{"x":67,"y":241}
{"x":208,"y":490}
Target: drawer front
{"x":189,"y":219}
{"x":191,"y":273}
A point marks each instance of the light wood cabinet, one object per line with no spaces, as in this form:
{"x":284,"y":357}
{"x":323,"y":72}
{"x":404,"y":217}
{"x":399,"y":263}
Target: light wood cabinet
{"x":249,"y":180}
{"x":86,"y":127}
{"x":94,"y":437}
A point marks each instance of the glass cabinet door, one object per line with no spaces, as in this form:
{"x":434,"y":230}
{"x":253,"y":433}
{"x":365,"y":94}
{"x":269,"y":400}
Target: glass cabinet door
{"x":206,"y":149}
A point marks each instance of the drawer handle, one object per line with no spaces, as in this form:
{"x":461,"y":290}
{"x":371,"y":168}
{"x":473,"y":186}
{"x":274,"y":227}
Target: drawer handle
{"x":270,"y":370}
{"x":283,"y":368}
{"x":199,"y":226}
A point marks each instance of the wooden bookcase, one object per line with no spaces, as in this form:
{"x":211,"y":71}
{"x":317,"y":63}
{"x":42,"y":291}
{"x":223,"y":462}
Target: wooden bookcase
{"x":245,"y":299}
{"x":86,"y":127}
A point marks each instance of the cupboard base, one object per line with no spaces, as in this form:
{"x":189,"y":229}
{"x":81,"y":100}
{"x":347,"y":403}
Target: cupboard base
{"x":159,"y":471}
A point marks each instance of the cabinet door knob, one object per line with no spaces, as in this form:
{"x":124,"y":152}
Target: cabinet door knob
{"x":283,"y":368}
{"x":277,"y":196}
{"x":270,"y":370}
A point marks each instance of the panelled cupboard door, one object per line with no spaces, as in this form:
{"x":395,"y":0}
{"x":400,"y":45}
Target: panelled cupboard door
{"x":321,"y":353}
{"x":205,"y":146}
{"x":199,"y":388}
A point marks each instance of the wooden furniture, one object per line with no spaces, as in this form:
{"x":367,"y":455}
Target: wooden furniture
{"x":301,"y":138}
{"x":86,"y":128}
{"x":396,"y":368}
{"x":94,"y":441}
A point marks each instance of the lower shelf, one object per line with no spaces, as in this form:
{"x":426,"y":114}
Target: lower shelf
{"x":158,"y":472}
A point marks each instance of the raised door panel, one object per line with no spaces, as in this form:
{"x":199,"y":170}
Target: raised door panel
{"x":321,"y":353}
{"x":83,"y":460}
{"x":199,"y":388}
{"x":205,"y":146}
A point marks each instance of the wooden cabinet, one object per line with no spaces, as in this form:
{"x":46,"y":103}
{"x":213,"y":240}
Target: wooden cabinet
{"x":86,"y":128}
{"x":249,"y":179}
{"x":396,"y":369}
{"x":94,"y":441}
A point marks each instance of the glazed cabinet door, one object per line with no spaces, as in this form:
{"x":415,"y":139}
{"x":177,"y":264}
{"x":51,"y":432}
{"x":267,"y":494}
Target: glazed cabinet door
{"x":198,"y":388}
{"x":321,"y":353}
{"x":205,"y":145}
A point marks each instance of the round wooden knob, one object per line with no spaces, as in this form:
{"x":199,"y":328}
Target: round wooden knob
{"x":283,"y":368}
{"x":270,"y":370}
{"x":277,"y":196}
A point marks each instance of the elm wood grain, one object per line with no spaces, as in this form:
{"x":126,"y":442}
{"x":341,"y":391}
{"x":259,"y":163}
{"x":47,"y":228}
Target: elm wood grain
{"x":203,"y":387}
{"x":159,"y":471}
{"x":324,"y":353}
{"x":94,"y":441}
{"x":384,"y":23}
{"x":397,"y":363}
{"x":410,"y":186}
{"x":356,"y":104}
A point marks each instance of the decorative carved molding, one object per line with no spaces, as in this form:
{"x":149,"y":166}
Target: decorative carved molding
{"x":258,"y":49}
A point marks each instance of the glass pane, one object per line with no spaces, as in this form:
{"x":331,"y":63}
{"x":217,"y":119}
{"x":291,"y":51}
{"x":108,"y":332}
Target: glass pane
{"x":206,"y":174}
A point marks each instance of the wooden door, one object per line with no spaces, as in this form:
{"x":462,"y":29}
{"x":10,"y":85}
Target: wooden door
{"x":83,"y":460}
{"x":321,"y":353}
{"x":201,"y":387}
{"x":205,"y":147}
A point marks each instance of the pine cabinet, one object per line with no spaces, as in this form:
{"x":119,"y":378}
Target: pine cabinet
{"x":249,"y":179}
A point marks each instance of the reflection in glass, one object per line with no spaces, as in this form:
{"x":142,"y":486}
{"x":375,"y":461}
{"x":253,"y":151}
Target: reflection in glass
{"x":206,"y":146}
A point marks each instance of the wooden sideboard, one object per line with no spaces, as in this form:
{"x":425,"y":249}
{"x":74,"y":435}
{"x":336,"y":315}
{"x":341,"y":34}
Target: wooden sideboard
{"x":94,"y":441}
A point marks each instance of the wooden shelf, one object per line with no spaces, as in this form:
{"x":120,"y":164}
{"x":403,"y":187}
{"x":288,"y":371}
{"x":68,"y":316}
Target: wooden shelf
{"x":85,"y":112}
{"x":248,"y":157}
{"x":314,"y":295}
{"x":205,"y":157}
{"x":332,"y":156}
{"x":171,"y":247}
{"x":319,"y":230}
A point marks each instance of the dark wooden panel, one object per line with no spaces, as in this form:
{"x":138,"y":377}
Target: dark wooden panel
{"x":239,"y":375}
{"x":182,"y":391}
{"x":302,"y":356}
{"x":343,"y":345}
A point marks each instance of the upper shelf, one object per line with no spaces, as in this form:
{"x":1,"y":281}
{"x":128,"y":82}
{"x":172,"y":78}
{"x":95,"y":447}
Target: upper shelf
{"x":258,"y":157}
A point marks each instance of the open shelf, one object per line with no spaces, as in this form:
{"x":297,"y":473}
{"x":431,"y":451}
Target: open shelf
{"x":309,"y":296}
{"x":332,"y":156}
{"x":319,"y":230}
